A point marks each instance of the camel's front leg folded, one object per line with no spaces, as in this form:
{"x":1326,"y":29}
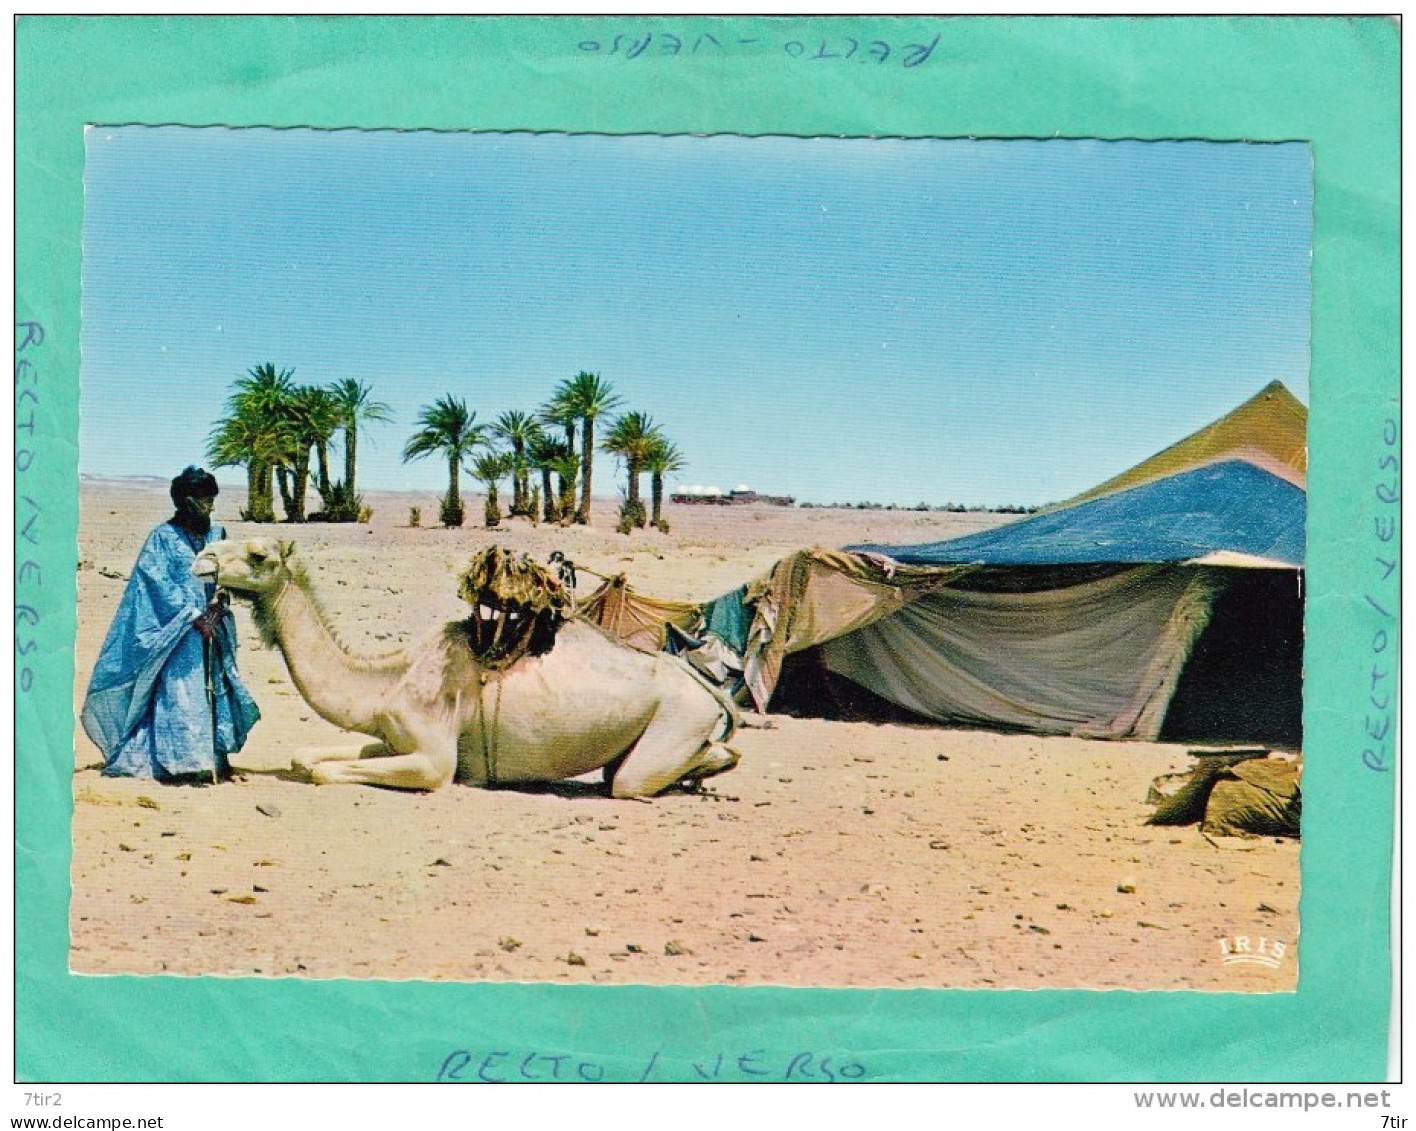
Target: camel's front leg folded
{"x":304,"y":761}
{"x":430,"y":768}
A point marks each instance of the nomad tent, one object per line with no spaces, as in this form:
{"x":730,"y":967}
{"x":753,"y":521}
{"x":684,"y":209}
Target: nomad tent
{"x":1089,"y":619}
{"x":1166,"y":604}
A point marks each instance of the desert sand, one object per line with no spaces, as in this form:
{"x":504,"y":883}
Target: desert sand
{"x":835,"y":854}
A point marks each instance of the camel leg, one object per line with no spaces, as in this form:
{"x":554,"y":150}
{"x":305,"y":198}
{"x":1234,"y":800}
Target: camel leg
{"x":610,"y":769}
{"x":668,"y":751}
{"x":715,"y":759}
{"x":306,"y":759}
{"x":427,"y":769}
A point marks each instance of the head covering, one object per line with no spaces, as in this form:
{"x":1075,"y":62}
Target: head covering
{"x":193,"y":483}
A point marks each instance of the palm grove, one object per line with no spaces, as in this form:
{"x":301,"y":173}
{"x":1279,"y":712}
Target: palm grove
{"x":281,"y":432}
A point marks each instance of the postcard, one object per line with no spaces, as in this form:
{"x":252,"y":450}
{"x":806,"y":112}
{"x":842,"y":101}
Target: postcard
{"x":855,"y":574}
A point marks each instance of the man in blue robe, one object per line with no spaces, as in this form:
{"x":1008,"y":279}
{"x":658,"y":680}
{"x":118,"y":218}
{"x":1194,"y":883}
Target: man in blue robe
{"x":166,"y":701}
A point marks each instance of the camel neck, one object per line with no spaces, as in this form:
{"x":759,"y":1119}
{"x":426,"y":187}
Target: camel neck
{"x":343,"y":689}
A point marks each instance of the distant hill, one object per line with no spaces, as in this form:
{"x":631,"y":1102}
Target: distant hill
{"x":144,"y":482}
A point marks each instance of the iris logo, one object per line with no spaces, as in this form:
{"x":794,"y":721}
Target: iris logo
{"x":1259,"y":951}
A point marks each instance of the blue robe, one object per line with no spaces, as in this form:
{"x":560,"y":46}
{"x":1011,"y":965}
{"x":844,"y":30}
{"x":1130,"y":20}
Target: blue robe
{"x":148,"y":706}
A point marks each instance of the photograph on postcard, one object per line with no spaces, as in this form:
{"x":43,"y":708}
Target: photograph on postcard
{"x":691,"y":560}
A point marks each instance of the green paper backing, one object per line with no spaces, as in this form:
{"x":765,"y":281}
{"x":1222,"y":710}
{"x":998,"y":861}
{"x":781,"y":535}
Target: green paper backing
{"x":1332,"y":82}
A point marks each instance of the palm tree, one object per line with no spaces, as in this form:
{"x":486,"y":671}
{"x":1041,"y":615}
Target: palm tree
{"x":543,"y":454}
{"x":259,"y":432}
{"x":664,"y":456}
{"x":311,"y":419}
{"x":632,"y":437}
{"x":520,"y":430}
{"x":321,"y":415}
{"x":491,"y":469}
{"x":558,"y":414}
{"x":264,"y":390}
{"x":241,"y":439}
{"x":586,"y":396}
{"x":566,"y":465}
{"x":352,"y":400}
{"x":447,"y":428}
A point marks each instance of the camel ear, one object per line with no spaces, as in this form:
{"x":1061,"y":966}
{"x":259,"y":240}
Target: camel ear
{"x":286,"y":549}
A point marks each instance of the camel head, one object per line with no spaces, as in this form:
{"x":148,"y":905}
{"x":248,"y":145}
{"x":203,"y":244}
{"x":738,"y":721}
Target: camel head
{"x":250,"y":567}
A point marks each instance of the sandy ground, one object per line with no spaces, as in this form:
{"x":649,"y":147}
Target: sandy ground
{"x":835,"y":854}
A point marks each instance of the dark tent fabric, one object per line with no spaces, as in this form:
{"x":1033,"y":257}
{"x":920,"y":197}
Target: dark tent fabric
{"x":1230,"y":508}
{"x":729,"y":619}
{"x":1243,"y":680}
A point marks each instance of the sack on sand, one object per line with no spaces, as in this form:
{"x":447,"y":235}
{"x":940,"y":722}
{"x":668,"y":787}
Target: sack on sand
{"x":1180,"y":799}
{"x":1260,"y":799}
{"x":1232,"y":797}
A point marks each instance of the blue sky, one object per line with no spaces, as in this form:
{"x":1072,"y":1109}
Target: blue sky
{"x":900,"y":321}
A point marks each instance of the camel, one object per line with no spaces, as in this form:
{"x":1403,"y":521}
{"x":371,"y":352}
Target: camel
{"x":586,"y":703}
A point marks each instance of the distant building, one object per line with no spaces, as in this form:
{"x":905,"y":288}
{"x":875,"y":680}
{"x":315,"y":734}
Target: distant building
{"x":739,"y":497}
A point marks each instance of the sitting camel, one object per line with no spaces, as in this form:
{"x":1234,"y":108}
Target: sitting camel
{"x":580,"y":702}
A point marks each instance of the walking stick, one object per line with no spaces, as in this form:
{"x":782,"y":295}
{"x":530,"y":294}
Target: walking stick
{"x":208,"y":663}
{"x":209,"y":669}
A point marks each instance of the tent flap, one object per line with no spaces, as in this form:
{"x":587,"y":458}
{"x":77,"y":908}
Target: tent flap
{"x":1099,"y":659}
{"x":814,"y":596}
{"x":638,"y":620}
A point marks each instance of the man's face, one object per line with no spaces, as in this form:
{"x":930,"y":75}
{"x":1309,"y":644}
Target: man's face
{"x":204,"y":505}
